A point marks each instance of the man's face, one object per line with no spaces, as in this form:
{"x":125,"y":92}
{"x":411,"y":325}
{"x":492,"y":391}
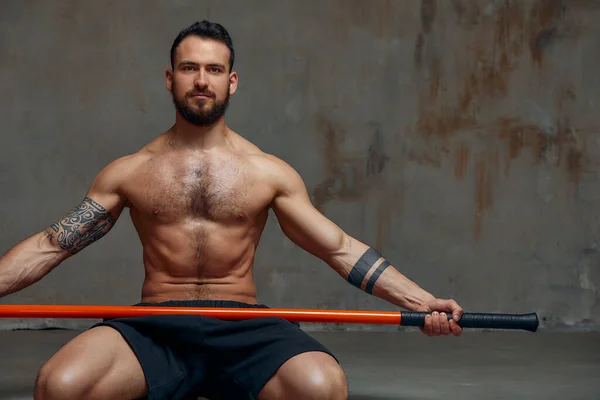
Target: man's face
{"x":201,"y":82}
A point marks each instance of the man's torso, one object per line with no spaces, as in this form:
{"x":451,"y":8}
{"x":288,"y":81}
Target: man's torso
{"x":199,"y":216}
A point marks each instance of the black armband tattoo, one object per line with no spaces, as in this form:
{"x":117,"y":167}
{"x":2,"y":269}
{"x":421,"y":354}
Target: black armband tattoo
{"x":382,"y":267}
{"x":81,"y":227}
{"x":363,"y":266}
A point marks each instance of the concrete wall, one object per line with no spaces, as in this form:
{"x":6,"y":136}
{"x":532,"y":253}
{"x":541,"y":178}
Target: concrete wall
{"x":461,"y":138}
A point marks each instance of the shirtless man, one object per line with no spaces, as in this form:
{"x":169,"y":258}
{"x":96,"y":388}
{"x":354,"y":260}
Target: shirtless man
{"x":199,"y":196}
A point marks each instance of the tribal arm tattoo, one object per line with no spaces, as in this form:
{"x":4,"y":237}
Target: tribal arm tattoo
{"x":88,"y":222}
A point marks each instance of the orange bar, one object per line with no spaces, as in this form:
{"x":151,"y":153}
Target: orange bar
{"x":297,"y":315}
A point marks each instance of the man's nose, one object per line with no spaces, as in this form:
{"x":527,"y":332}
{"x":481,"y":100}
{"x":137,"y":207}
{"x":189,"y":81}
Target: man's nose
{"x":201,"y":81}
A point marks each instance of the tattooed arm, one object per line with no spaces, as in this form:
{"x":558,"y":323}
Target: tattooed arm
{"x":358,"y":263}
{"x":88,"y":222}
{"x":34,"y":257}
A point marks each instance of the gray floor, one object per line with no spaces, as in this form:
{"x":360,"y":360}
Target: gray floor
{"x":399,"y":365}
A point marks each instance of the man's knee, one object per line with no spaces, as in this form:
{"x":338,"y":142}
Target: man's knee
{"x":58,"y":383}
{"x":326,"y":382}
{"x":311,"y":375}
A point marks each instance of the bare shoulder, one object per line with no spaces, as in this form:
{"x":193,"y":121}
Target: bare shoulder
{"x":282,"y":176}
{"x":119,"y":168}
{"x":279,"y":173}
{"x":118,"y":171}
{"x":278,"y":166}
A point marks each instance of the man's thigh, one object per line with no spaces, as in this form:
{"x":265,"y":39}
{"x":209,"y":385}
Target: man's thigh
{"x":310,"y":375}
{"x":98,"y":362}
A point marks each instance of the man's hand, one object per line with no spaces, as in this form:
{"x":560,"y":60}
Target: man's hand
{"x":437,"y":324}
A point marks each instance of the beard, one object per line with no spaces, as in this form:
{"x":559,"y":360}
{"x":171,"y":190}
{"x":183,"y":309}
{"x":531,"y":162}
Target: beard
{"x":201,"y":116}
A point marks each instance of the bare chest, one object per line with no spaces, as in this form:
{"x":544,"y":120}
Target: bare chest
{"x":213,"y":190}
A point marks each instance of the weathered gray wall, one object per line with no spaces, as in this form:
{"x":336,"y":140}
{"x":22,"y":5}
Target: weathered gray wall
{"x":461,"y":138}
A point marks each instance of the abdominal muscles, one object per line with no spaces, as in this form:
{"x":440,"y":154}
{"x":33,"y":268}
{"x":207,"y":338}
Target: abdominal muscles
{"x":199,"y":225}
{"x":199,"y":260}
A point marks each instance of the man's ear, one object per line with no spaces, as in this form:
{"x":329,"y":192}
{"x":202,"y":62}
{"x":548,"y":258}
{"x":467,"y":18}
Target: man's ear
{"x":169,"y":79}
{"x":233,"y":82}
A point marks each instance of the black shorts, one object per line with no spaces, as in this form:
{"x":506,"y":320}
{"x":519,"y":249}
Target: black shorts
{"x":183,"y":356}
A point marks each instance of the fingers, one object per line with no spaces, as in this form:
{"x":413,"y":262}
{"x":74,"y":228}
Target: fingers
{"x":444,"y":324}
{"x":448,"y":306}
{"x":435,"y":323}
{"x":427,"y":327}
{"x":457,"y":313}
{"x":438,"y":324}
{"x":456,"y":330}
{"x":456,"y":310}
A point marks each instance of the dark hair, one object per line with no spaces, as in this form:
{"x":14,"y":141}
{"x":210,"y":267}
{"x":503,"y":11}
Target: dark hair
{"x":206,"y":29}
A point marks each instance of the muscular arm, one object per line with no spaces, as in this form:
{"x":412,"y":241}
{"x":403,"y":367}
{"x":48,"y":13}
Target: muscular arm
{"x":353,"y":260}
{"x":33,"y":258}
{"x":88,"y":222}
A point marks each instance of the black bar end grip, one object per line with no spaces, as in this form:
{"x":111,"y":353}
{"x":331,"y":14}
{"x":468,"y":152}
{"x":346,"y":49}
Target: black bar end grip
{"x":528,"y":322}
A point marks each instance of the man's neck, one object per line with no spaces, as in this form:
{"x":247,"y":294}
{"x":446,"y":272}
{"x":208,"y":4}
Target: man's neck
{"x":184,"y":135}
